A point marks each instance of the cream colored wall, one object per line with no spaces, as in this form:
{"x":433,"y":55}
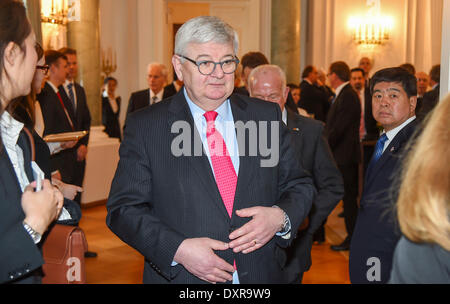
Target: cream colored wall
{"x":138,"y":30}
{"x":415,"y":38}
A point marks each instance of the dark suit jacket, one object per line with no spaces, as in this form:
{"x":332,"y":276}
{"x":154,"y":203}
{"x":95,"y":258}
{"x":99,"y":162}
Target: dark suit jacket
{"x":169,"y":90}
{"x":157,"y":200}
{"x":141,"y":99}
{"x":372,"y":132}
{"x":55,"y":121}
{"x":312,"y":150}
{"x":429,"y":101}
{"x":313,"y":100}
{"x":20,"y":258}
{"x":376,"y":231}
{"x":343,"y":127}
{"x":110,"y":119}
{"x":81,"y":117}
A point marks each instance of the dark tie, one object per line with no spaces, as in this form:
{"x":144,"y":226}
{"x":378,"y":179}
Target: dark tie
{"x":154,"y":100}
{"x":379,"y":148}
{"x":71,"y":95}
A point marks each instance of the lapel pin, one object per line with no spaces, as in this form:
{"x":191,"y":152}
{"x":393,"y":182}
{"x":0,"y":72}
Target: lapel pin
{"x":392,"y":149}
{"x":296,"y":129}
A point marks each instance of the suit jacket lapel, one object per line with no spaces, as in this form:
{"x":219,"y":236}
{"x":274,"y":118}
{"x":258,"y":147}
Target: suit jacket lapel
{"x":391,"y":151}
{"x":24,"y":143}
{"x":7,"y":172}
{"x":68,"y":104}
{"x":200,"y":164}
{"x":247,"y":164}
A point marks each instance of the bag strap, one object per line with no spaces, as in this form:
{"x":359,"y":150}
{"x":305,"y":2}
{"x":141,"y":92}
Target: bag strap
{"x":31,"y":139}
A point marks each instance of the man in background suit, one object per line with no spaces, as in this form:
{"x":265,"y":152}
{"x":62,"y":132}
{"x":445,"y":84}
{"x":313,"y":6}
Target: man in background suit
{"x":431,"y":98}
{"x":156,"y":79}
{"x":423,"y":81}
{"x":76,"y":104}
{"x":173,"y":88}
{"x":249,"y":61}
{"x":394,"y":92}
{"x":207,"y":213}
{"x":312,"y":98}
{"x":366,"y":64}
{"x":342,"y":130}
{"x":368,"y":130}
{"x":55,"y":112}
{"x":268,"y":82}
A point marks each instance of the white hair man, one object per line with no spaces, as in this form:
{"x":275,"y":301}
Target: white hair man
{"x":156,"y":79}
{"x":268,"y":82}
{"x":207,"y":218}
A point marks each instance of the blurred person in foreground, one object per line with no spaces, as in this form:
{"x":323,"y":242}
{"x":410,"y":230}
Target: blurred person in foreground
{"x":24,"y":214}
{"x":422,"y":255}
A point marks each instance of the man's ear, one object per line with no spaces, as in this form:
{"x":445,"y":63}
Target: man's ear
{"x":413,"y":103}
{"x":177,"y":67}
{"x":286,"y":93}
{"x":12,"y":52}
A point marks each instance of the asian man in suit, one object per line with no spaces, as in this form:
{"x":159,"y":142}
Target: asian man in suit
{"x":342,"y":129}
{"x":268,"y":82}
{"x":394,"y":98}
{"x":191,"y":193}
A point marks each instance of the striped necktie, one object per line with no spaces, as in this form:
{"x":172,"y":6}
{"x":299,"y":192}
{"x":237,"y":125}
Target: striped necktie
{"x":379,"y":147}
{"x":71,"y":95}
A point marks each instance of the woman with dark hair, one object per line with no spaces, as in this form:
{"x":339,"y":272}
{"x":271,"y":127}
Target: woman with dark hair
{"x":25,"y":214}
{"x":111,"y":108}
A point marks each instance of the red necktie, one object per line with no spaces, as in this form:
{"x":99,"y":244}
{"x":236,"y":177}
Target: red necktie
{"x":224,"y":172}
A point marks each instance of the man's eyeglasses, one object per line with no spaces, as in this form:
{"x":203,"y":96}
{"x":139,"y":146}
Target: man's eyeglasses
{"x":207,"y":67}
{"x":44,"y":68}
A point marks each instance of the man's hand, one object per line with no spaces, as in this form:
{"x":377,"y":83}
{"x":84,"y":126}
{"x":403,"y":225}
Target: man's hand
{"x":68,"y":144}
{"x":265,"y":223}
{"x":81,"y":153}
{"x":198,"y":257}
{"x":69,"y":191}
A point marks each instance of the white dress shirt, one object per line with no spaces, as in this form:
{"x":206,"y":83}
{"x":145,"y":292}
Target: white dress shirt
{"x":392,"y":133}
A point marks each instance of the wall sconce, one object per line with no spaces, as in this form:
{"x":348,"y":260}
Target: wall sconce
{"x":109,"y":61}
{"x":373,"y":28}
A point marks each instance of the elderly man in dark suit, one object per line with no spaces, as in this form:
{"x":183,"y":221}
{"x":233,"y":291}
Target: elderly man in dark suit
{"x":195,"y":192}
{"x":156,"y":78}
{"x":268,"y":82}
{"x":431,"y":98}
{"x":342,"y":128}
{"x":394,"y":98}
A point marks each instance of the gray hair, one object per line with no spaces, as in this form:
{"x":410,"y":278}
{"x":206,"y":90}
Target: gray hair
{"x":265,"y":69}
{"x":163,"y":68}
{"x":205,"y":29}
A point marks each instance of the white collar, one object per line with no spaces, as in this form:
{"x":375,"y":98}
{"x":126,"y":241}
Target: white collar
{"x":392,"y":133}
{"x":284,"y":115}
{"x":53,"y":86}
{"x":10,"y":129}
{"x":159,"y":95}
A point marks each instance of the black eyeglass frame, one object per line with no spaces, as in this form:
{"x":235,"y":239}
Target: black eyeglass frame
{"x":221,"y":63}
{"x":44,"y":68}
